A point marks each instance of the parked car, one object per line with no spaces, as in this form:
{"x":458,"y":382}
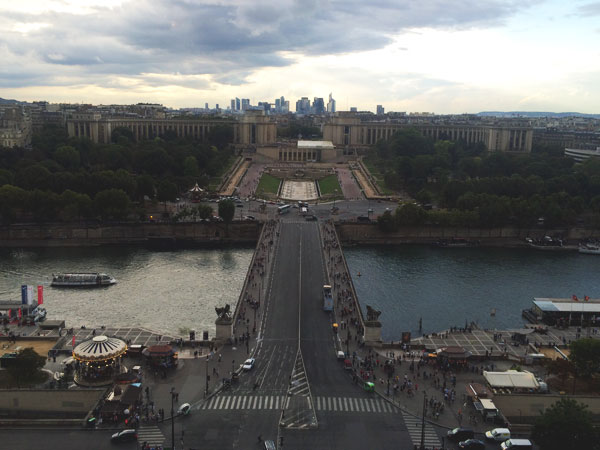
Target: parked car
{"x":184,"y":409}
{"x":248,"y":364}
{"x":460,"y":434}
{"x":472,"y":444}
{"x":127,"y":435}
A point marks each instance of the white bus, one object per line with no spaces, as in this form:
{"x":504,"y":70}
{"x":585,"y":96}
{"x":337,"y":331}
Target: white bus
{"x":283,"y":209}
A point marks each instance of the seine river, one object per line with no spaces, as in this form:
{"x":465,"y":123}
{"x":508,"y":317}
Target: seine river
{"x":172,"y":292}
{"x":169,"y":292}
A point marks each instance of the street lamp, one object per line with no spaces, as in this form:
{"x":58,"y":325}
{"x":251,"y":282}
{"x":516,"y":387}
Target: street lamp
{"x":173,"y":393}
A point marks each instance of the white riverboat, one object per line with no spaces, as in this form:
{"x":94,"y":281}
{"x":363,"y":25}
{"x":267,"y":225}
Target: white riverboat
{"x":82,"y":280}
{"x":589,"y":248}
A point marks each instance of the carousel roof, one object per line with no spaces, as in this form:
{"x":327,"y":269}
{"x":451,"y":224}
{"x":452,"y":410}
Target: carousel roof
{"x":196,"y":188}
{"x":99,"y":348}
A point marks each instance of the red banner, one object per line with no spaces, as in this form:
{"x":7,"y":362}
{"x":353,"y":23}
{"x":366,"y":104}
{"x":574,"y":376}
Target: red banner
{"x":40,"y":295}
{"x":20,"y":313}
{"x":73,"y":341}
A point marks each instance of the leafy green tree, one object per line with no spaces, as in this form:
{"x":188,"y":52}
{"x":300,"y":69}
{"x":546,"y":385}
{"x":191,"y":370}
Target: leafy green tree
{"x":144,"y":187}
{"x":67,"y":156}
{"x":386,"y":222}
{"x":190,"y":167}
{"x":227,"y":210}
{"x":111,"y":204}
{"x":26,"y":366}
{"x":204,"y":211}
{"x":75,"y":205}
{"x":166,"y":191}
{"x":585,"y":355}
{"x":120,"y":132}
{"x":566,"y":424}
{"x":12,"y":199}
{"x":410,"y":214}
{"x":220,"y":135}
{"x":562,"y":368}
{"x":44,"y":205}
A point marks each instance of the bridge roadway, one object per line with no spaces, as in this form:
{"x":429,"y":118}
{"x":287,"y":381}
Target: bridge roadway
{"x":346,"y":416}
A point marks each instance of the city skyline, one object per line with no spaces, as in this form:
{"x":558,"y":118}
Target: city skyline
{"x":492,"y":55}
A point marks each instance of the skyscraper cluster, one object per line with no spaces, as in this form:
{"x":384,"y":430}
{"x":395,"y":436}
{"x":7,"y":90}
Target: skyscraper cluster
{"x":282,"y":106}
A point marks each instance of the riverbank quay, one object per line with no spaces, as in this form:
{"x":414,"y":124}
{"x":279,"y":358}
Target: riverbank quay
{"x":370,"y":234}
{"x":153,"y":235}
{"x":164,"y":235}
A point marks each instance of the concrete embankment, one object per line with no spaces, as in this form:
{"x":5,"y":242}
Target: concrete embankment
{"x":152,"y":234}
{"x":369,"y":233}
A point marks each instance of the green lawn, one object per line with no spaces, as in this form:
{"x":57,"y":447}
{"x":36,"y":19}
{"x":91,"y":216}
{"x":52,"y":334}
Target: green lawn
{"x":268,"y":184}
{"x":371,"y":165}
{"x":330,"y":186}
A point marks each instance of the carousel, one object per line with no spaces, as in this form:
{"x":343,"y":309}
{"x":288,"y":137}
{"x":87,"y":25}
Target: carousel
{"x":196,"y":193}
{"x":98,"y":361}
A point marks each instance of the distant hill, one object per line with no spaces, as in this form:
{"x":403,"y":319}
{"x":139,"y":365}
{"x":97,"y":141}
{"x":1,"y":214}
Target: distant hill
{"x":537,"y":114}
{"x":4,"y":101}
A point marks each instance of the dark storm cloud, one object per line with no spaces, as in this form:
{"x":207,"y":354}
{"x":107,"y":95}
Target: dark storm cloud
{"x":228,"y":39}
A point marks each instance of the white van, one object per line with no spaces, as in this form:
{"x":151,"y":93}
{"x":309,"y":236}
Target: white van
{"x":516,"y":444}
{"x":498,"y":434}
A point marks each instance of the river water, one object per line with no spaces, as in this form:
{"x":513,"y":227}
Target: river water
{"x":446,"y":286}
{"x":172,"y":292}
{"x":169,"y":292}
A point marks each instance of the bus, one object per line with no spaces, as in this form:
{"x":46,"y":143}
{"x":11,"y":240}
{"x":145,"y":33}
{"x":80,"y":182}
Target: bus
{"x":327,"y":298}
{"x":283,"y":209}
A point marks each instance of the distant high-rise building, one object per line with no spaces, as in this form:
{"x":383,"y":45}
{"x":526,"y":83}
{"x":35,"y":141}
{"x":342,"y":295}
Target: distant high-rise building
{"x":266,"y":106}
{"x":217,"y":106}
{"x":237,"y":104}
{"x":353,"y":109}
{"x":206,"y":106}
{"x":318,"y":106}
{"x":303,"y":106}
{"x":245,"y":104}
{"x":331,"y":104}
{"x":232,"y":105}
{"x":380,"y":110}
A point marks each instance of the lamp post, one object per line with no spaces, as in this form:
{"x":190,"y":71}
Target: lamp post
{"x":423,"y":421}
{"x":172,"y":419}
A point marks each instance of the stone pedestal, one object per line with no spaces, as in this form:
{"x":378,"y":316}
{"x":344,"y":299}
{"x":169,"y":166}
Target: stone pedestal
{"x":373,"y":333}
{"x":224,"y":331}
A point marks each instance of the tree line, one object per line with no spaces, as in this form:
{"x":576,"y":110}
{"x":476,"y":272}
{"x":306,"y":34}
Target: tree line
{"x":469,"y":186}
{"x":66,"y":179}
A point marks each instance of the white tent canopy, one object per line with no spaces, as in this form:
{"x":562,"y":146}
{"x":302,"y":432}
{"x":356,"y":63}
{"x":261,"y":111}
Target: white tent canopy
{"x":511,"y":379}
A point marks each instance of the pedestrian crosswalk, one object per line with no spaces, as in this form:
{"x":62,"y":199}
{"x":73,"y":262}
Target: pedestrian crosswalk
{"x":246,"y":402}
{"x":353,"y":404}
{"x":151,"y":435}
{"x":415,"y":428}
{"x":321,"y":403}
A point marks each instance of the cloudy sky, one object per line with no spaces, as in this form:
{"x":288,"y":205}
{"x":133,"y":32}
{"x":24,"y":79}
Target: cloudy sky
{"x":443,"y":56}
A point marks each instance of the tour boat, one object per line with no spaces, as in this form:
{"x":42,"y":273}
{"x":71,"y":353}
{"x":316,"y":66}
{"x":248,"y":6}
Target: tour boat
{"x":589,"y":249}
{"x":82,"y":280}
